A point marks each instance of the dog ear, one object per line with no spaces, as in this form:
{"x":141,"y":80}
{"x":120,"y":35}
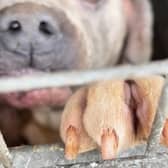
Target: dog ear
{"x":142,"y":97}
{"x":139,"y":19}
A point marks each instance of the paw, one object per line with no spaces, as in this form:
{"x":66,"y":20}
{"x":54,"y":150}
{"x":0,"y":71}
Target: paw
{"x":109,"y":143}
{"x":111,"y":115}
{"x":72,"y":130}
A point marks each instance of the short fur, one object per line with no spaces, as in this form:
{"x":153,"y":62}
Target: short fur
{"x":129,"y":110}
{"x":103,"y":26}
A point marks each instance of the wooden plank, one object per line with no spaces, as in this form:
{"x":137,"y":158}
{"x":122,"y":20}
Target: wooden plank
{"x":53,"y":156}
{"x":5,"y":157}
{"x":161,"y":115}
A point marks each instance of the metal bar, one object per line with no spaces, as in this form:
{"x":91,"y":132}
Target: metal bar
{"x":161,"y":115}
{"x":25,"y":83}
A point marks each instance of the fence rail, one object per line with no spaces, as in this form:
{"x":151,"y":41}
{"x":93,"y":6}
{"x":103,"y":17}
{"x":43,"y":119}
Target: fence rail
{"x":73,"y":78}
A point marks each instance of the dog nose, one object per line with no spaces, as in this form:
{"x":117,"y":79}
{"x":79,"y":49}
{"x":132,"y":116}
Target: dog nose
{"x":46,"y":28}
{"x":39,"y":37}
{"x":15,"y":26}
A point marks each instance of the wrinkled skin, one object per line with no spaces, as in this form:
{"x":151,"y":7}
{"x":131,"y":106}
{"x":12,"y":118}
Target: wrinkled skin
{"x":70,"y":34}
{"x":39,"y":43}
{"x":54,"y":35}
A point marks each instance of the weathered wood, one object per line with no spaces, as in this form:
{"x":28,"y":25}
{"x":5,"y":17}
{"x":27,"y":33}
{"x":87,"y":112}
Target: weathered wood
{"x":36,"y":81}
{"x":161,"y":115}
{"x":5,"y":157}
{"x":53,"y":156}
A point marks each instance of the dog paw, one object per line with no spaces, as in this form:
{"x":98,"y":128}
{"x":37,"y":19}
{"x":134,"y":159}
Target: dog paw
{"x":111,"y":115}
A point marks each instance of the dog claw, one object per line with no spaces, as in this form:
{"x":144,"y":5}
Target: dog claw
{"x":109,"y":144}
{"x":72,"y":143}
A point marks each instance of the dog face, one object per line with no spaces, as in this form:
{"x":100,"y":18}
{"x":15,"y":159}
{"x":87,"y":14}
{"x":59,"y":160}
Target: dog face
{"x":38,"y":37}
{"x":59,"y":35}
{"x":54,"y":35}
